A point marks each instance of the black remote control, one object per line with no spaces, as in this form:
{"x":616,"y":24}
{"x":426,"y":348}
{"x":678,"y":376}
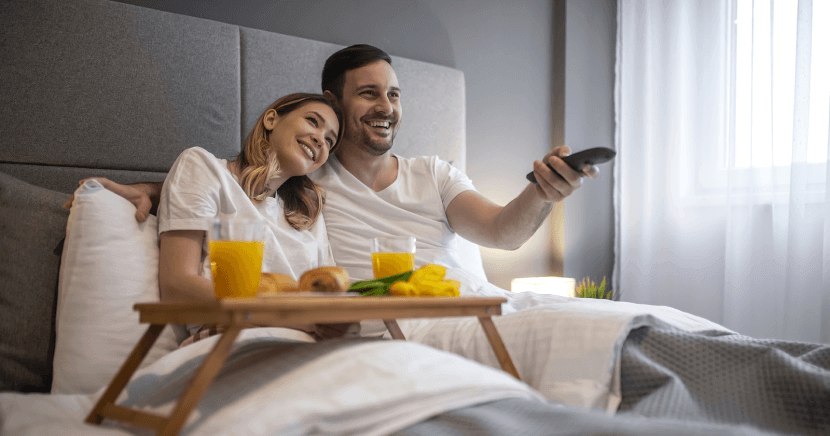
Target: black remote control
{"x":579,"y":159}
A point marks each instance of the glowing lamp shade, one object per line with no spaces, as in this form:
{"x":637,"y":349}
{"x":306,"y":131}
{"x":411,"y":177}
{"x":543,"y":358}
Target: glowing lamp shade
{"x":545,"y":285}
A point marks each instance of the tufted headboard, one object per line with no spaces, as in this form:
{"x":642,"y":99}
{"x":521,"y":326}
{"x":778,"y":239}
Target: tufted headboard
{"x":98,"y":88}
{"x":93,"y":87}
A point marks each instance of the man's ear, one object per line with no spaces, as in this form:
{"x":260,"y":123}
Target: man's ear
{"x":269,"y":120}
{"x":329,"y":95}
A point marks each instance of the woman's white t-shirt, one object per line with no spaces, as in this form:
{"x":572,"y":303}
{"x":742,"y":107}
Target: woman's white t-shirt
{"x":200,"y":188}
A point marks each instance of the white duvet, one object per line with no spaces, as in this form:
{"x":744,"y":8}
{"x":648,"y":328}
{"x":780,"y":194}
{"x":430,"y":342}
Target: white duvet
{"x":569,"y":349}
{"x":277,"y":386}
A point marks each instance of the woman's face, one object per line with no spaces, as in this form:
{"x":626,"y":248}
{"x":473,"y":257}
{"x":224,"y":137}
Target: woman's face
{"x":303,"y":137}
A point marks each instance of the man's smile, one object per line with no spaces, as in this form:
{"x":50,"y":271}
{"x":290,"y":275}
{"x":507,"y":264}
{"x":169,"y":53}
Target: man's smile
{"x":382,"y":128}
{"x":384,"y":124}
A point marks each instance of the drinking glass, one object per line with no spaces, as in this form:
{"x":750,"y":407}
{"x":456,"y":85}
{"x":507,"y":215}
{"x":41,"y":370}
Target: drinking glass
{"x":235,"y":247}
{"x":392,"y":255}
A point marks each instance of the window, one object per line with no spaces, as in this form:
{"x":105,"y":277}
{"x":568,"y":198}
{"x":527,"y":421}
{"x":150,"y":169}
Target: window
{"x":765,"y":84}
{"x":771,"y":105}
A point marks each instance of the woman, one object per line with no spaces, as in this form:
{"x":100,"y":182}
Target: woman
{"x":292,"y":138}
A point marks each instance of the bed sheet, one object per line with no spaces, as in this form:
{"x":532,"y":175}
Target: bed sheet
{"x":275,"y":386}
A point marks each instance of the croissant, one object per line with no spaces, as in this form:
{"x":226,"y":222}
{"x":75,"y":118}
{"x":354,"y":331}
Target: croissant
{"x":325,"y":279}
{"x":270,"y":283}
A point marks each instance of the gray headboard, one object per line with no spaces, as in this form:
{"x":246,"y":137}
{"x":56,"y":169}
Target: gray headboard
{"x":94,"y":87}
{"x":97,"y":88}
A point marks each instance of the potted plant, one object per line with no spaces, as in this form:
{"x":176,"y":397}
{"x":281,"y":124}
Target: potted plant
{"x":588,"y":289}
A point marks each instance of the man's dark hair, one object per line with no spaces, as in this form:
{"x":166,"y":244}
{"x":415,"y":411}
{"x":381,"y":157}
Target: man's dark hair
{"x":349,"y":58}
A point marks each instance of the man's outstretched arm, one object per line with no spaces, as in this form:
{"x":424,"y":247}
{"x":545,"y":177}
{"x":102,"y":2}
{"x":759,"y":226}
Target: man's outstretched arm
{"x":144,"y":196}
{"x":479,"y":220}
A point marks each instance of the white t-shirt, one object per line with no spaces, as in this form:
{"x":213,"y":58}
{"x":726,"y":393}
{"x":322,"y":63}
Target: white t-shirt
{"x":414,"y":205}
{"x":200,"y":188}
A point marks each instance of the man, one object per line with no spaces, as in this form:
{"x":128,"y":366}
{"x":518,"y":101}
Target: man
{"x":372,"y":192}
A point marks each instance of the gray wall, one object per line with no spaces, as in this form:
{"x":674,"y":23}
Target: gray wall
{"x":504,"y":49}
{"x":589,"y":122}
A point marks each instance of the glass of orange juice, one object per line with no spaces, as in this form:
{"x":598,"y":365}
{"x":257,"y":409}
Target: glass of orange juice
{"x":392,"y":255}
{"x":235,"y":247}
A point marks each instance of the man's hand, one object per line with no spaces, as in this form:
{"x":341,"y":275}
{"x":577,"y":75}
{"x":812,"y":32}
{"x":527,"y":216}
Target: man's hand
{"x":479,"y":220}
{"x":557,"y":185}
{"x":138,"y":195}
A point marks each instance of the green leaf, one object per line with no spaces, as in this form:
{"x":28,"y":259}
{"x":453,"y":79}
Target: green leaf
{"x":605,"y":295}
{"x":379,"y":290}
{"x":379,"y":286}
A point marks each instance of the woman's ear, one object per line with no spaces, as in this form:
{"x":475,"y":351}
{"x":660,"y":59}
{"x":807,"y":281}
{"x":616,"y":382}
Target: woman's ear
{"x":269,"y":120}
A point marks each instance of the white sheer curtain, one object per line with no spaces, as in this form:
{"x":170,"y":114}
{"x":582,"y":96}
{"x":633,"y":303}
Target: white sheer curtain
{"x":722,"y":178}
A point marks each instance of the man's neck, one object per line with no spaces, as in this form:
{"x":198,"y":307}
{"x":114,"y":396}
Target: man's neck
{"x":376,"y":172}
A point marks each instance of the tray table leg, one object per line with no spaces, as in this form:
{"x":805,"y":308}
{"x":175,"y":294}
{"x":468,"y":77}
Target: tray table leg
{"x":498,"y":346}
{"x":201,"y":381}
{"x":123,"y":375}
{"x":394,"y":329}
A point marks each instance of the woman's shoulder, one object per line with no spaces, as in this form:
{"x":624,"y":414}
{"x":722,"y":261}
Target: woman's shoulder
{"x":196,"y":153}
{"x":197,"y":166}
{"x":199,"y":157}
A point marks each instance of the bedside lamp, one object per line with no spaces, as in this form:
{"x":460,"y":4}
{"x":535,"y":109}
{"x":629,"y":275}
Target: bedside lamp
{"x":545,"y":285}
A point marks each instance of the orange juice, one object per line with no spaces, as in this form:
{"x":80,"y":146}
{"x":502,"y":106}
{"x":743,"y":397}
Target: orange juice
{"x":236,"y":267}
{"x":387,"y":264}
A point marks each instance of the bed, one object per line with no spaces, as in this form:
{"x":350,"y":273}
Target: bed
{"x":97,"y":88}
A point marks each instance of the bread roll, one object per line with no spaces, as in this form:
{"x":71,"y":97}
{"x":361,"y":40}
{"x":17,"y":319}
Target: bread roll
{"x":325,"y":279}
{"x":270,"y":283}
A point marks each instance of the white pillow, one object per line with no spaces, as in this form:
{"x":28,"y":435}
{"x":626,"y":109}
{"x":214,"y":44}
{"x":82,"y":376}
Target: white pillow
{"x":109,"y":263}
{"x":470,"y":255}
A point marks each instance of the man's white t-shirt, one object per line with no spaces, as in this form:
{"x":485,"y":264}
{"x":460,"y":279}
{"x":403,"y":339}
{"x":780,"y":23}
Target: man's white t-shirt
{"x":200,"y":188}
{"x":415,"y":204}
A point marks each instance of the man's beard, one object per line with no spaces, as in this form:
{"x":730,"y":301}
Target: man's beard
{"x":375,"y":146}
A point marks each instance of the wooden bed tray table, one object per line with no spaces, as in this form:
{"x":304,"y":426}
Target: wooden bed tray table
{"x":236,"y":314}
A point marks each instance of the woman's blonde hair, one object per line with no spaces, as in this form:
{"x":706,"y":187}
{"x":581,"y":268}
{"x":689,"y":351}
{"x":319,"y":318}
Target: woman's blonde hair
{"x":302,"y":199}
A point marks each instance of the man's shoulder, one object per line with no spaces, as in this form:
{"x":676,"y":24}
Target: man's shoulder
{"x":326,"y":172}
{"x":420,"y":163}
{"x":420,"y":159}
{"x":423,"y":166}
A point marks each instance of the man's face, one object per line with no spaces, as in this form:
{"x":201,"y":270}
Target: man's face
{"x":371,"y":107}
